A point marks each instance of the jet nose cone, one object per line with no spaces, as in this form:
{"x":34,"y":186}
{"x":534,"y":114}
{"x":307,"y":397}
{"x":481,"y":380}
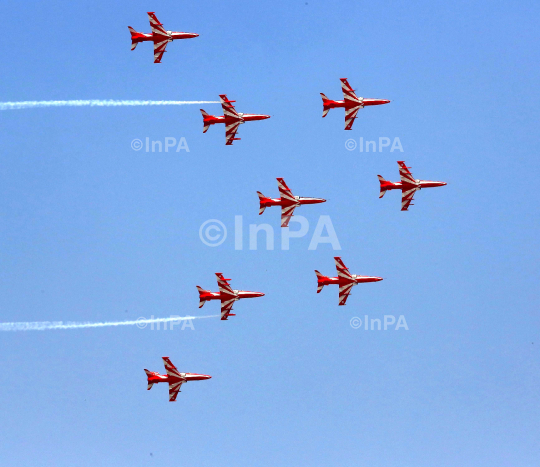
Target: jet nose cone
{"x":386,"y":101}
{"x":443,"y":183}
{"x":208,"y":377}
{"x":266,"y":116}
{"x":260,"y":294}
{"x":379,"y":279}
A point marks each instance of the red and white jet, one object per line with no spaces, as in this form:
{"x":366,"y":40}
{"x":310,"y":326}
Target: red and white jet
{"x":159,"y":36}
{"x":351,"y":102}
{"x":344,"y":279}
{"x":408,"y":185}
{"x":227,"y":296}
{"x":231,"y":118}
{"x":173,"y":377}
{"x":288,"y":202}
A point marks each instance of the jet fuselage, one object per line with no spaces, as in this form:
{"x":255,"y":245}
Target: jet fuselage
{"x":343,"y":281}
{"x":386,"y":185}
{"x":155,"y":378}
{"x":143,"y":37}
{"x":205,"y":296}
{"x":213,"y":119}
{"x":267,"y":202}
{"x":330,"y":104}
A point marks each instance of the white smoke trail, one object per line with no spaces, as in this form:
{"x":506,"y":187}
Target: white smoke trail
{"x":54,"y":325}
{"x":92,"y":103}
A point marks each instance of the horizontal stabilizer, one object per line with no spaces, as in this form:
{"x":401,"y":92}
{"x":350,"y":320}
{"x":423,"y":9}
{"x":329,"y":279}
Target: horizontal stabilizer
{"x":201,"y":293}
{"x":148,"y":374}
{"x":382,"y":181}
{"x":262,"y":199}
{"x":319,"y":278}
{"x":134,"y":34}
{"x":206,"y":124}
{"x":324,"y":101}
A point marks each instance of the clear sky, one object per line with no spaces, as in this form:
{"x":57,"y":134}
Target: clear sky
{"x":92,"y":230}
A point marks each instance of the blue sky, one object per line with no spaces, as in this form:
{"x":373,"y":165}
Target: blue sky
{"x":94,"y":231}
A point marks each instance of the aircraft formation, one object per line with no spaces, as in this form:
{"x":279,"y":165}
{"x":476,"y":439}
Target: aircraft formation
{"x":226,"y":295}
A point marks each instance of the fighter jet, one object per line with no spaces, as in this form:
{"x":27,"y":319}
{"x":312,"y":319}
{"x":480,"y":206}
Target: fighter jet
{"x":351,"y":102}
{"x":227,"y":296}
{"x":288,"y":202}
{"x":231,"y":118}
{"x":159,"y":36}
{"x":344,"y":279}
{"x":408,"y":185}
{"x":173,"y":377}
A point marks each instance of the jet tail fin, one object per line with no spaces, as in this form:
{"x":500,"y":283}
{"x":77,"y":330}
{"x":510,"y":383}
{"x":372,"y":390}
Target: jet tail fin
{"x":262,"y":206}
{"x":324,"y":101}
{"x":201,"y":292}
{"x":206,"y":125}
{"x":319,"y":277}
{"x":148,"y":374}
{"x":382,"y":181}
{"x":133,"y":35}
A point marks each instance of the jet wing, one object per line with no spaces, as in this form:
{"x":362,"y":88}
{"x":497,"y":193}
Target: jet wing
{"x":407,"y":196}
{"x":160,"y":37}
{"x":223,"y":284}
{"x":228,"y":107}
{"x":226,"y":308}
{"x":230,"y":132}
{"x":174,"y":389}
{"x":342,"y":270}
{"x":344,"y":292}
{"x":159,"y":50}
{"x":170,"y":368}
{"x":286,"y":214}
{"x":348,"y":92}
{"x":405,"y":174}
{"x":285,"y":191}
{"x":350,"y":115}
{"x":228,"y":296}
{"x":155,"y":24}
{"x":289,"y":202}
{"x":175,"y":379}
